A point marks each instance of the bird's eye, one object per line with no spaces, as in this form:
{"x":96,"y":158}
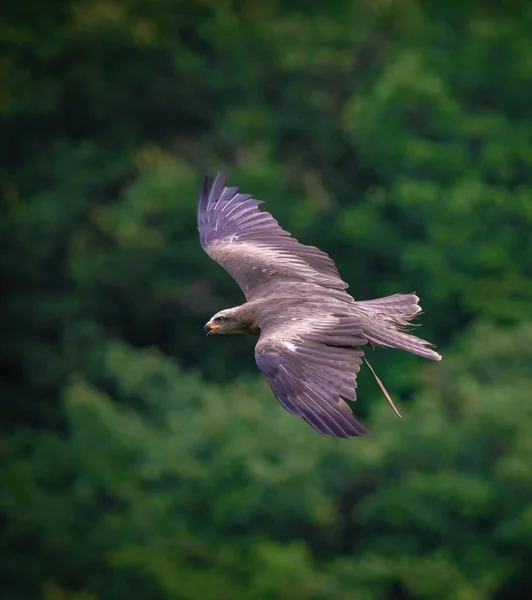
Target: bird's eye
{"x":221,"y":318}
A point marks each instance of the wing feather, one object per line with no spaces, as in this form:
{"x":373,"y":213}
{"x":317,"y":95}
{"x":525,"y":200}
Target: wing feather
{"x":311,"y":380}
{"x":251,"y":245}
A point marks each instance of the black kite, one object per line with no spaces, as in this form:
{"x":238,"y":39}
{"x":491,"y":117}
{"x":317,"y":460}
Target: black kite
{"x":310,"y":329}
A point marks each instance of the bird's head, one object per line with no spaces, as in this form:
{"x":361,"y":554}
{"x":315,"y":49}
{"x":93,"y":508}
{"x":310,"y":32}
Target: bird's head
{"x":225,"y":321}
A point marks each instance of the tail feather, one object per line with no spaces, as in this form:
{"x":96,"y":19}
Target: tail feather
{"x":400,"y":307}
{"x":386,"y":317}
{"x":388,"y":337}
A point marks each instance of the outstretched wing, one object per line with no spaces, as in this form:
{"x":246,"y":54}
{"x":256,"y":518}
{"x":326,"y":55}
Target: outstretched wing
{"x":311,"y":367}
{"x":252,"y":247}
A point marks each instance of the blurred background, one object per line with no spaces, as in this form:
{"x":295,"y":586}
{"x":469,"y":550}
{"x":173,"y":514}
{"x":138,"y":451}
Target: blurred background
{"x":140,"y":459}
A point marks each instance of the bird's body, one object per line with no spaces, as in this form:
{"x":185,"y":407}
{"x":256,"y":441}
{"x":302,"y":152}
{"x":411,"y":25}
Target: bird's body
{"x":311,"y":331}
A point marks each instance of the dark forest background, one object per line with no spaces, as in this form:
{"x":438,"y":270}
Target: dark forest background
{"x":140,"y":459}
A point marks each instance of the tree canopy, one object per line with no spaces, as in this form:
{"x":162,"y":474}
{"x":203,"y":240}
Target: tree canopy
{"x":140,"y":459}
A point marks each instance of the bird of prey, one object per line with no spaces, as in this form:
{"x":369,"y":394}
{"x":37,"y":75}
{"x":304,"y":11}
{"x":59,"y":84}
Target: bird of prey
{"x":311,"y":332}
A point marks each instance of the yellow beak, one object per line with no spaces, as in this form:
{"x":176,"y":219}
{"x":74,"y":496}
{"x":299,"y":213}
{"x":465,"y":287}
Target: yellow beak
{"x":209,"y":328}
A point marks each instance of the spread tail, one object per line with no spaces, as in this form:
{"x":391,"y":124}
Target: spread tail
{"x":385,"y":319}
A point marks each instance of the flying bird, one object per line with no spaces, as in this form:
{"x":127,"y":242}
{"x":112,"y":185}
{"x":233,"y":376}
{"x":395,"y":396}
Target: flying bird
{"x":311,"y":332}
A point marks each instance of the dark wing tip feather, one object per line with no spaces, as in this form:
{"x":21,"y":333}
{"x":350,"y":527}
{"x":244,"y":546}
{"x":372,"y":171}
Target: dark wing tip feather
{"x":209,"y":193}
{"x":227,"y":218}
{"x":214,"y":199}
{"x":217,"y":186}
{"x":203,"y":200}
{"x":300,"y":390}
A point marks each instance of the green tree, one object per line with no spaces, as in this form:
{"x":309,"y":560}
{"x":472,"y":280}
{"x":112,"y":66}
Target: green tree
{"x":395,"y":136}
{"x":178,"y":488}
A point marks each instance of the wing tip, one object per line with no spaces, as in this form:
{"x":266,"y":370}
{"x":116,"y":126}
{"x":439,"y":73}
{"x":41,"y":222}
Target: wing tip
{"x":331,"y":427}
{"x":208,"y":188}
{"x":217,"y":186}
{"x":203,"y":199}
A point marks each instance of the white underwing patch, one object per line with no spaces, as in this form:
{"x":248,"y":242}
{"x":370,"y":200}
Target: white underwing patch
{"x":290,"y":346}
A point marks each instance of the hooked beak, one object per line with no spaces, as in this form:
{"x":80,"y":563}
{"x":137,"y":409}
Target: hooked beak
{"x":209,"y":329}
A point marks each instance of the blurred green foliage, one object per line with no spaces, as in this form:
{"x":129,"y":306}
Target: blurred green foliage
{"x":140,"y":460}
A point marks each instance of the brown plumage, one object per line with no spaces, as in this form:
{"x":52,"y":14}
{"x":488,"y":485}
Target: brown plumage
{"x":310,"y":329}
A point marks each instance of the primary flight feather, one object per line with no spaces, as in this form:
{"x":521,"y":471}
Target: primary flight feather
{"x":310,"y":329}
